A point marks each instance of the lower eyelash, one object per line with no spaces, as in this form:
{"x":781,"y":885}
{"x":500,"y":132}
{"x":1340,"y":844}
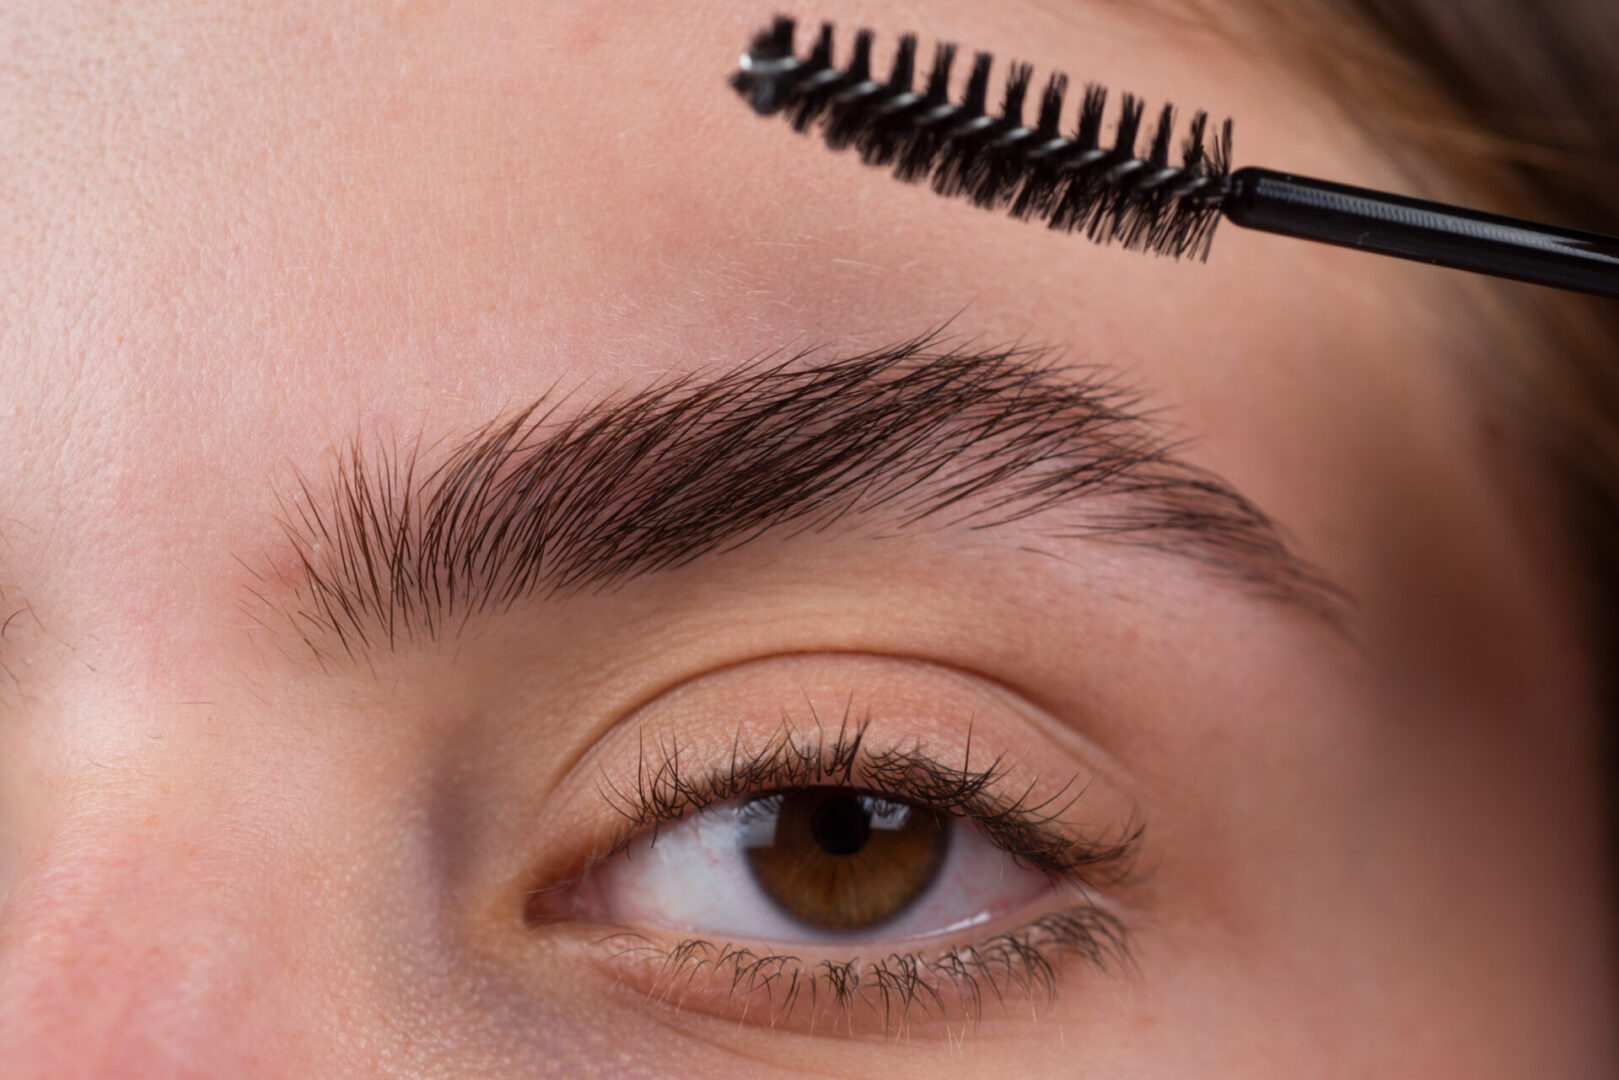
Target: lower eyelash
{"x":897,"y":991}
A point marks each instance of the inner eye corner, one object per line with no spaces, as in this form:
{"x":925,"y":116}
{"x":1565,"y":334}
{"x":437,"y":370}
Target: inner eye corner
{"x":554,"y":899}
{"x":547,"y":904}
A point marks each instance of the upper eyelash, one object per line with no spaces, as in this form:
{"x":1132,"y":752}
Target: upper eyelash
{"x":1028,"y":828}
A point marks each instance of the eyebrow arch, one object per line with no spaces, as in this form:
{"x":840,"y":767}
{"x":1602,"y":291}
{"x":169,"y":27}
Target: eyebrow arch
{"x":394,"y":549}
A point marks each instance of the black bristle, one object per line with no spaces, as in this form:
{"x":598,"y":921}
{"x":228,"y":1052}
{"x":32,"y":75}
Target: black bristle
{"x":781,"y":35}
{"x":1109,"y":193}
{"x":814,"y":90}
{"x":993,"y":177}
{"x":1192,"y":153}
{"x":976,"y":98}
{"x":1051,"y":105}
{"x":846,"y":113}
{"x":918,"y":147}
{"x":1131,"y":109}
{"x":1110,"y":216}
{"x":1080,"y":192}
{"x":1017,"y":91}
{"x":963,"y":136}
{"x":883,"y":136}
{"x":904,"y":69}
{"x":944,"y":57}
{"x":1092,"y":111}
{"x":859,"y":68}
{"x":1146,"y":224}
{"x":1158,"y":157}
{"x":1042,"y":176}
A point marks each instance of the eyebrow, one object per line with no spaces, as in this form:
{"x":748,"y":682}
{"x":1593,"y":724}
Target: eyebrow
{"x":397,"y":549}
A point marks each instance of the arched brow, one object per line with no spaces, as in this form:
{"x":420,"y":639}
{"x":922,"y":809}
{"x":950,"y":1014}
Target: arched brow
{"x":397,"y":548}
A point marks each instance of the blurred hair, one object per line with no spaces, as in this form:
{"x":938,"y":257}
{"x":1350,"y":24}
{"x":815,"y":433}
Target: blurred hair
{"x":1535,"y":84}
{"x":1517,"y":102}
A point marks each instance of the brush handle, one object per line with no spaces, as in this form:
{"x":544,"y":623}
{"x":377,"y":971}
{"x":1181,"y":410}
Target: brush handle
{"x":1425,"y":231}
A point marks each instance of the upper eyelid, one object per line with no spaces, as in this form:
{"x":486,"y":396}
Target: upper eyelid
{"x":1029,"y":827}
{"x":723,"y":731}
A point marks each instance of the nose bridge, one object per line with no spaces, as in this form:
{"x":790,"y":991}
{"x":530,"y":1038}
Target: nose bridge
{"x":130,"y":947}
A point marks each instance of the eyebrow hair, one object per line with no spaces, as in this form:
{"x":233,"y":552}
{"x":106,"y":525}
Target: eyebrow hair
{"x":535,"y":505}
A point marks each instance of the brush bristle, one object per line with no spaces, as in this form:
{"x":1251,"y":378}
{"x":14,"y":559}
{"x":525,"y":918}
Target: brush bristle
{"x":1076,"y":183}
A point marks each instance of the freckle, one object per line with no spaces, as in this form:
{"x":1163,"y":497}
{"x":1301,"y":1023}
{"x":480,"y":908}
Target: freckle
{"x":151,"y":820}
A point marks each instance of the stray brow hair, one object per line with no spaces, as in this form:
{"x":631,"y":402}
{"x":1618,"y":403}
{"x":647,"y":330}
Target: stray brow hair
{"x":536,"y":505}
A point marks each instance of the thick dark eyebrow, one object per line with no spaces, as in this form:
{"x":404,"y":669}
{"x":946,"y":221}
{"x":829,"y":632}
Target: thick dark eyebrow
{"x":396,"y":548}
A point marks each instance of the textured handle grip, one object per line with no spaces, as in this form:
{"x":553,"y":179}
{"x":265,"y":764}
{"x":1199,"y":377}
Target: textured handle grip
{"x":1425,"y":231}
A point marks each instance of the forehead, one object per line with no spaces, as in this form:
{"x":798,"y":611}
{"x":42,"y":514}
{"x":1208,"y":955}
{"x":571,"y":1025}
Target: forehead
{"x":416,"y":190}
{"x":245,"y":237}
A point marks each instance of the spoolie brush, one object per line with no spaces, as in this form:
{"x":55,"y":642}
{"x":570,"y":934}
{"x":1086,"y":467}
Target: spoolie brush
{"x":1164,"y":199}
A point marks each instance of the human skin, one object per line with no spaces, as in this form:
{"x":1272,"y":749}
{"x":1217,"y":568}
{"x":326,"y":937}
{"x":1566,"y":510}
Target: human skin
{"x":239,"y":239}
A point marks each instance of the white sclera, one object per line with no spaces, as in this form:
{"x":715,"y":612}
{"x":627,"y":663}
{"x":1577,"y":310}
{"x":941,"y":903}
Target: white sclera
{"x":694,"y":876}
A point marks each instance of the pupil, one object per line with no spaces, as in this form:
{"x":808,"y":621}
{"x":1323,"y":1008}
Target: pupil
{"x":842,"y":859}
{"x":841,"y":825}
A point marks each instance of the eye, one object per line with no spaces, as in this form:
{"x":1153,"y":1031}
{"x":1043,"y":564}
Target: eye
{"x":926,"y":857}
{"x":812,"y":864}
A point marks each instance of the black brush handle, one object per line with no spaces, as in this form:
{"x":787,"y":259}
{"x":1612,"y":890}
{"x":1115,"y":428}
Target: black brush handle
{"x":1426,"y":231}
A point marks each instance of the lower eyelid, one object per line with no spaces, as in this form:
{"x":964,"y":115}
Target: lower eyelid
{"x":1008,"y":968}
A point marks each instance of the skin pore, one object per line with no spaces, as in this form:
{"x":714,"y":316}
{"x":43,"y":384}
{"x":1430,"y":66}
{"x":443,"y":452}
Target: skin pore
{"x":251,"y":255}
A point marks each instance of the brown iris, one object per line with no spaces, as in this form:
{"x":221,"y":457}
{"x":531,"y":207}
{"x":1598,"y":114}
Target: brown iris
{"x":841,"y":859}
